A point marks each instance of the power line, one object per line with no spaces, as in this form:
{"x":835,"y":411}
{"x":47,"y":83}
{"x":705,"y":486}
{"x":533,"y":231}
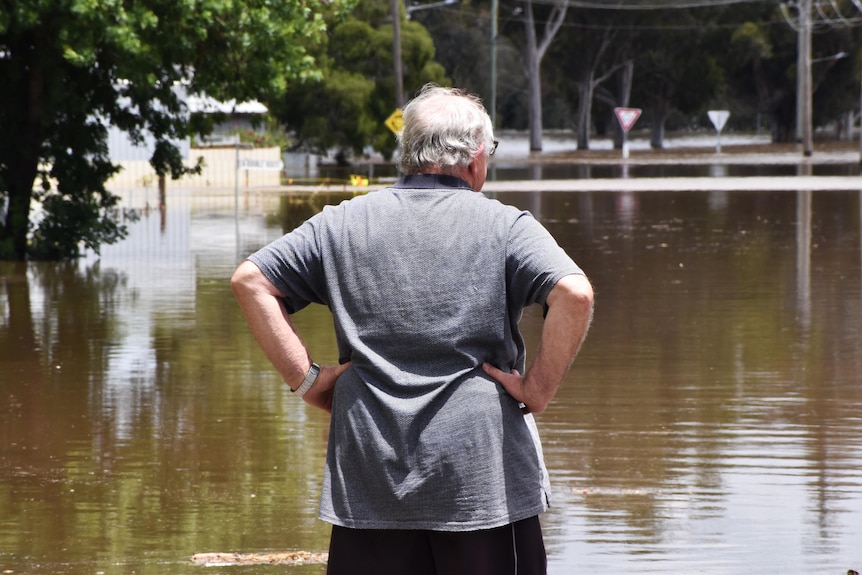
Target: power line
{"x":649,"y":4}
{"x":662,"y":27}
{"x":634,"y":27}
{"x":827,"y":14}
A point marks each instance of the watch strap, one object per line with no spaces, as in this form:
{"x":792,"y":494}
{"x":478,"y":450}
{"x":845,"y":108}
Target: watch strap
{"x":309,"y":380}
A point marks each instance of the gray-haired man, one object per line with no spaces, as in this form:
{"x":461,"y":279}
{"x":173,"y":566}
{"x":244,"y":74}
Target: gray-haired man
{"x":434,"y":463}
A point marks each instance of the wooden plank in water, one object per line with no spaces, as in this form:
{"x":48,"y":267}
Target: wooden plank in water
{"x":286,"y":558}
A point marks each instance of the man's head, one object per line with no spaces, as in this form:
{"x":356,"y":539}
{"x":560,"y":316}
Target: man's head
{"x":446,"y":131}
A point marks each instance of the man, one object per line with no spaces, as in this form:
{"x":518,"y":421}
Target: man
{"x":433,"y":463}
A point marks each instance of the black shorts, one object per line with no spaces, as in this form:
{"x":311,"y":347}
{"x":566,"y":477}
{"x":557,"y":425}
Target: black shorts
{"x":516,"y":549}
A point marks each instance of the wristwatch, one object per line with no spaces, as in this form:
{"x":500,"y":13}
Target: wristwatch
{"x":309,"y":380}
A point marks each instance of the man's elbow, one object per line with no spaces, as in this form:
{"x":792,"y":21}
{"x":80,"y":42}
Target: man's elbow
{"x":577,"y":293}
{"x":244,"y":278}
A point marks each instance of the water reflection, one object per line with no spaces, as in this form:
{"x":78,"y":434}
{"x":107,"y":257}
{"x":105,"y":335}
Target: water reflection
{"x":711,"y":423}
{"x":523,"y":169}
{"x":803,"y":255}
{"x":717,"y":424}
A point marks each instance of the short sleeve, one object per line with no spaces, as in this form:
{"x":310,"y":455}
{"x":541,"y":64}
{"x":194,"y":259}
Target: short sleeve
{"x":293,"y":263}
{"x":534,"y":262}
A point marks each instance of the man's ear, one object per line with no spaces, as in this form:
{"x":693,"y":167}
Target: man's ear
{"x":474,"y":164}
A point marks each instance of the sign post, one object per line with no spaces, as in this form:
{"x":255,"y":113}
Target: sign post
{"x":252,"y":164}
{"x":718,"y":119}
{"x":627,"y":118}
{"x":395,"y":122}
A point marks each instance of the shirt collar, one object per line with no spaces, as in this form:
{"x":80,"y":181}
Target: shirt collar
{"x":430,"y":181}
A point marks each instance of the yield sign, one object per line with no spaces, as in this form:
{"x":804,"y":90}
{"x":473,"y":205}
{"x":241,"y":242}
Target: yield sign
{"x":627,"y":117}
{"x":718,"y":118}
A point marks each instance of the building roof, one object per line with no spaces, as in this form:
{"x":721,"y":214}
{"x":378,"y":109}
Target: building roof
{"x":210,"y":105}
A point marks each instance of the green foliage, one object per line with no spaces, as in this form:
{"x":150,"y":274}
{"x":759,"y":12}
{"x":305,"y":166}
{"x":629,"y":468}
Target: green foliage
{"x":740,"y":57}
{"x":462,"y":42}
{"x":273,"y":136}
{"x":70,"y":68}
{"x":749,"y":41}
{"x":759,"y":59}
{"x":337,"y":111}
{"x":837,"y":80}
{"x":348,"y":106}
{"x":676,"y":68}
{"x":73,"y":220}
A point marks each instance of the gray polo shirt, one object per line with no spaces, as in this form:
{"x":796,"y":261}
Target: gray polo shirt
{"x":426,"y":280}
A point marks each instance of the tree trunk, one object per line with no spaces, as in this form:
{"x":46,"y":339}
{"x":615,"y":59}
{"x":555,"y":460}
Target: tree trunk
{"x":585,"y":111}
{"x":589,"y":84}
{"x":21,"y":156}
{"x":533,"y":53}
{"x":534,"y":82}
{"x":659,"y":113}
{"x":656,"y":135}
{"x":13,"y":234}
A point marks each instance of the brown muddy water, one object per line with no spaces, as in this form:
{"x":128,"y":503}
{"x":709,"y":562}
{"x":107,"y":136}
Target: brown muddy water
{"x":712,"y":423}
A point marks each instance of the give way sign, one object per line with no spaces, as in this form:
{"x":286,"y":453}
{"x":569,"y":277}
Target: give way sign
{"x":627,"y":117}
{"x":718,"y":118}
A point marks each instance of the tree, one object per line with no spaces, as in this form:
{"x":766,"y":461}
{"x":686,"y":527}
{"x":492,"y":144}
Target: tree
{"x":836,"y":80}
{"x":347,"y":106}
{"x":677,"y":69}
{"x":71,"y":68}
{"x":463,"y":46}
{"x":539,"y":25}
{"x":760,"y":63}
{"x":534,"y":50}
{"x":675,"y":60}
{"x":595,"y":52}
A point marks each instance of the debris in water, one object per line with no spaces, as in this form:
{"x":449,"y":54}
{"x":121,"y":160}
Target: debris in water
{"x":287,"y":558}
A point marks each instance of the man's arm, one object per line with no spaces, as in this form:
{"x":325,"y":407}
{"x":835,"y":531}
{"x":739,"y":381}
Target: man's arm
{"x":570,"y":311}
{"x":270,"y":324}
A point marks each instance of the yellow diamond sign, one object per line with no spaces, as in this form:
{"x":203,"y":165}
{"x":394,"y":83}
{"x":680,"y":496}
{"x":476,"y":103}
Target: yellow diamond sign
{"x":395,"y":121}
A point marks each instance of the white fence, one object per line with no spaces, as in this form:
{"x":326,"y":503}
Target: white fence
{"x":219,"y":170}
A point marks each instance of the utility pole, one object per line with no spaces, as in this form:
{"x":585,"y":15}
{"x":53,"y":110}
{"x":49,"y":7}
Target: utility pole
{"x":492,"y":99}
{"x":396,"y":53}
{"x":804,"y":106}
{"x":396,"y":41}
{"x":828,"y":14}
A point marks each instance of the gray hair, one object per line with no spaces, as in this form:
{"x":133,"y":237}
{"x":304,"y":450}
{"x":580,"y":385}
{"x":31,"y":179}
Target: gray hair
{"x":444,"y":129}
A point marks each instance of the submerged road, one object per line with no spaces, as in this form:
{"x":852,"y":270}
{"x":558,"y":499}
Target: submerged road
{"x":765,"y":183}
{"x":671,"y":184}
{"x":746,"y":153}
{"x":513,"y":153}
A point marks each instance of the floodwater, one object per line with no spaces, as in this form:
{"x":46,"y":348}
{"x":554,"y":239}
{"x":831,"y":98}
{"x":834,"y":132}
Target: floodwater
{"x":712,"y":423}
{"x":697,"y":155}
